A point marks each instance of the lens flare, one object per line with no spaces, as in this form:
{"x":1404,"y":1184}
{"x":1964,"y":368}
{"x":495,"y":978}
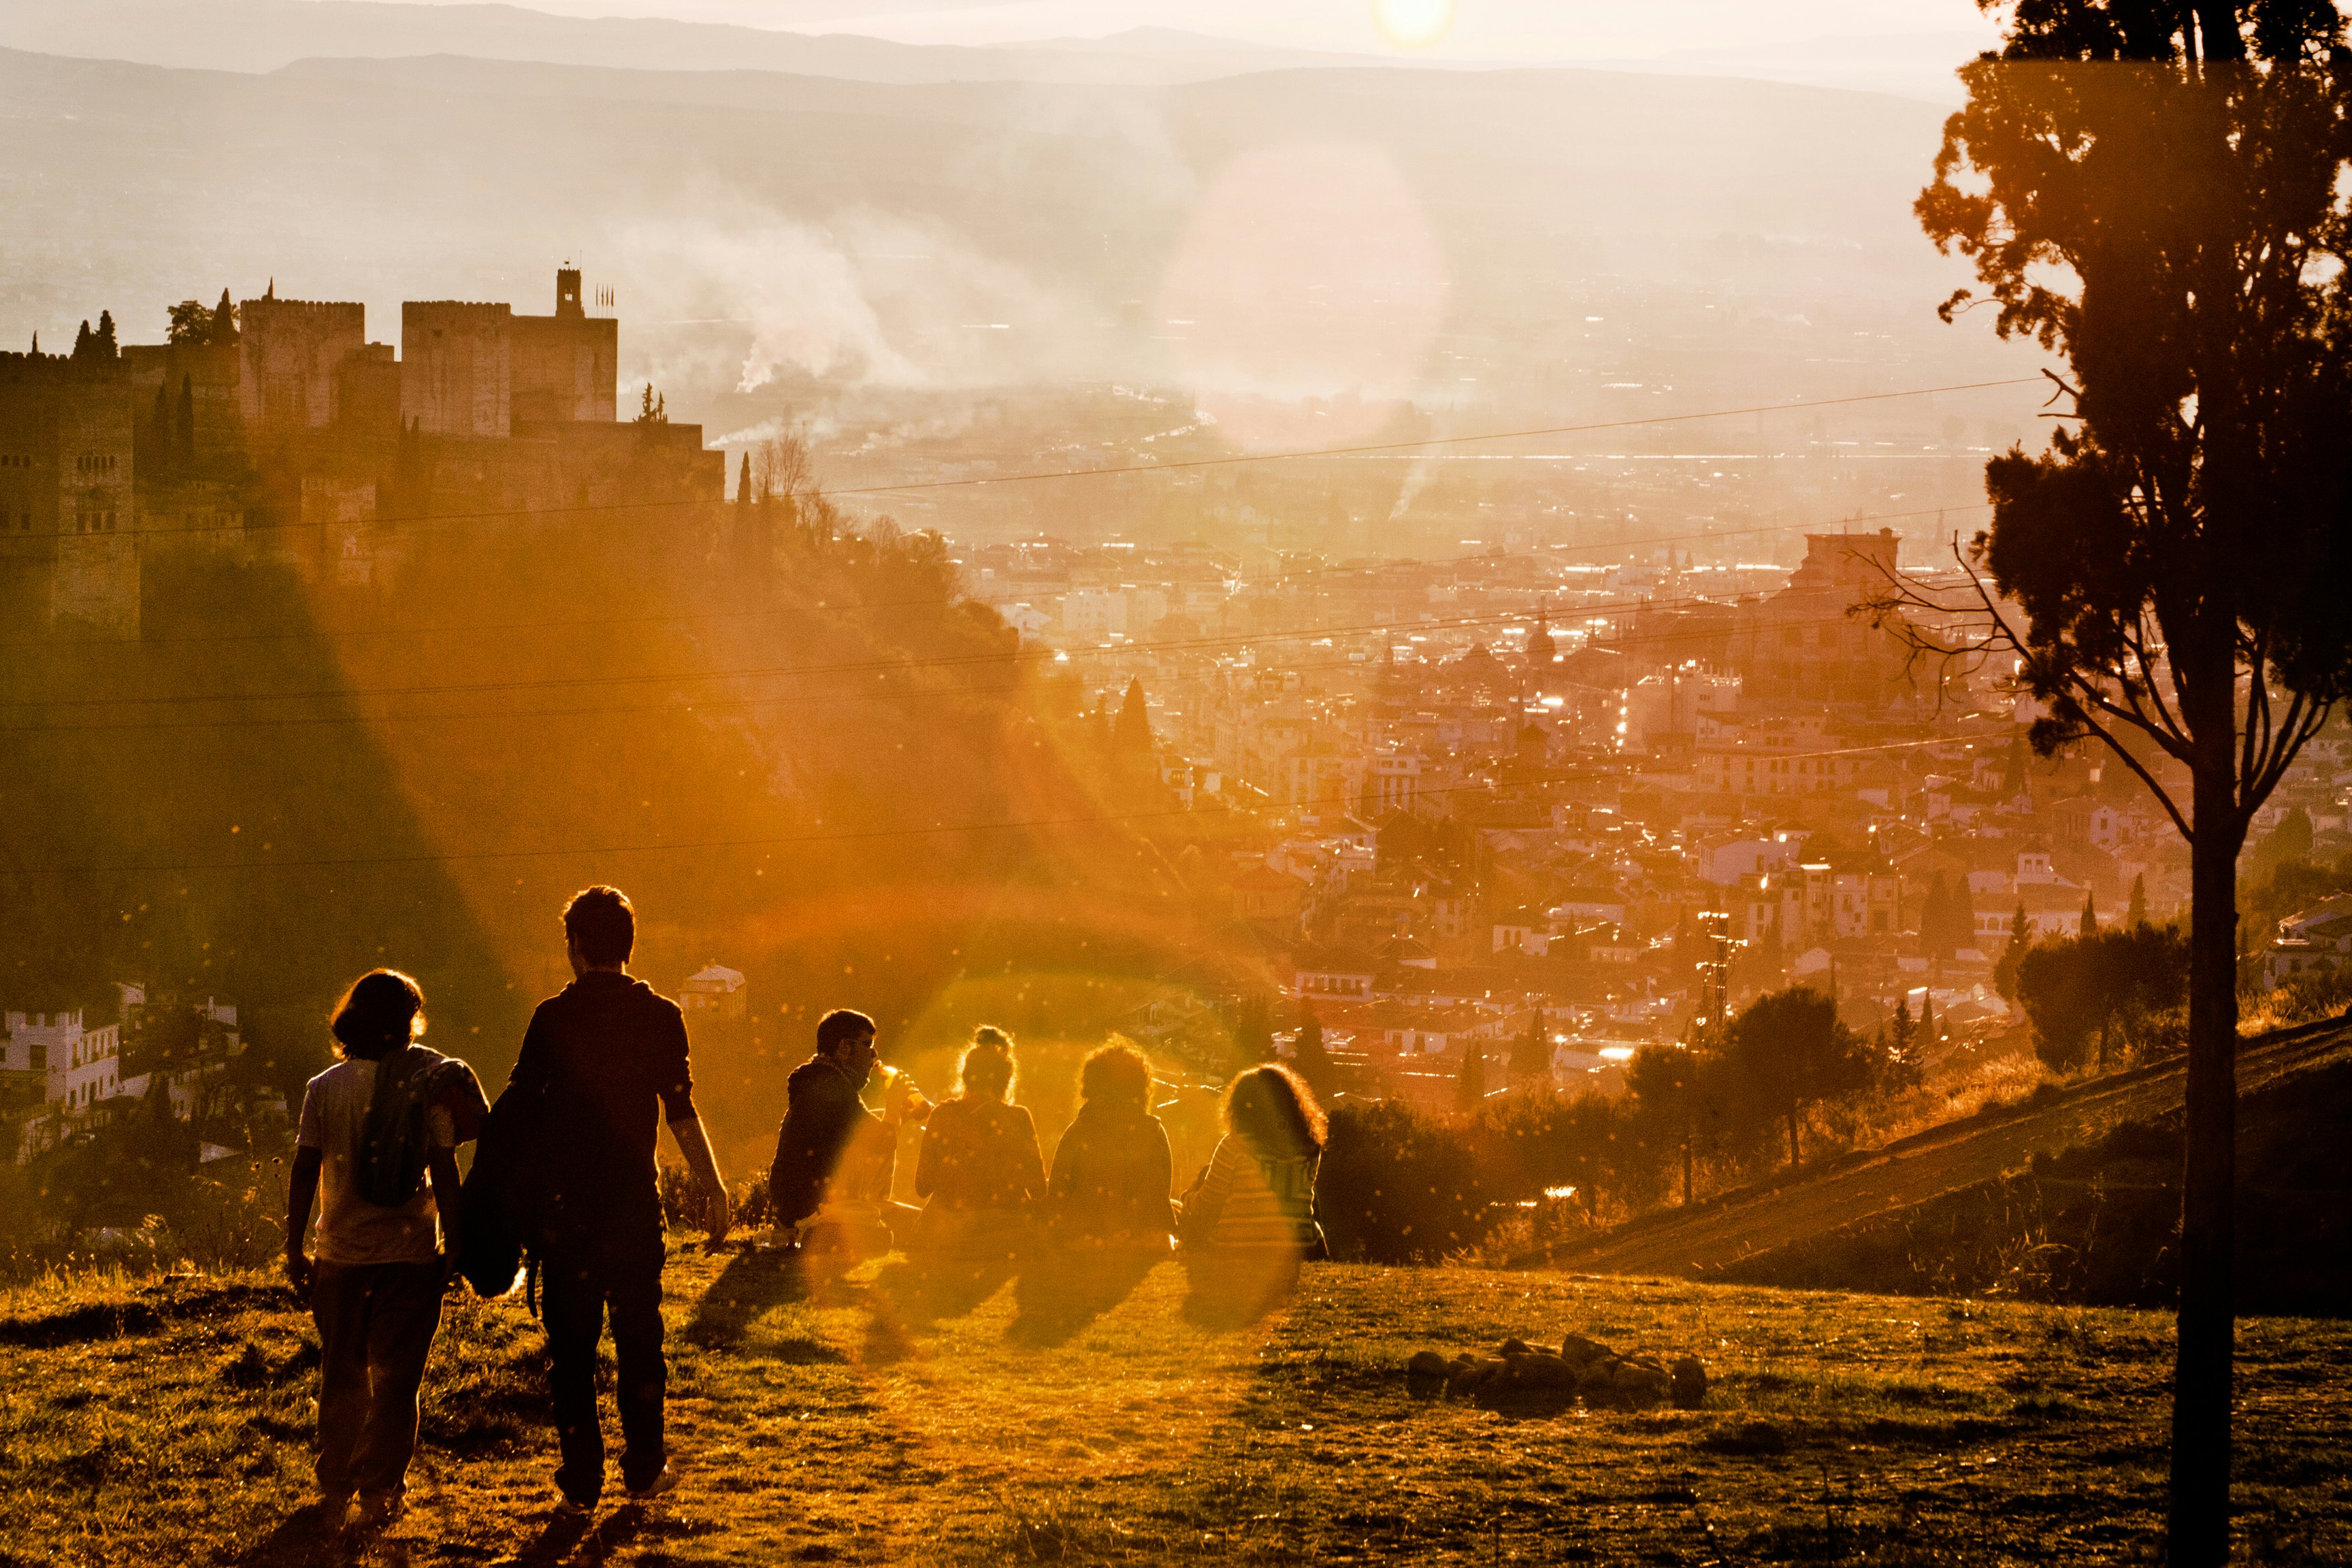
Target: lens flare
{"x":1413,"y":24}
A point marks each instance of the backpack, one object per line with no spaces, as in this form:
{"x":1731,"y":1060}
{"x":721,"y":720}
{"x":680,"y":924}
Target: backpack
{"x":397,"y":1136}
{"x":396,"y":1140}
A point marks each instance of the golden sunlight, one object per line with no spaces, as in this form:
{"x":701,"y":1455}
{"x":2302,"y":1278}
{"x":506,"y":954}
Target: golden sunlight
{"x":1413,"y":24}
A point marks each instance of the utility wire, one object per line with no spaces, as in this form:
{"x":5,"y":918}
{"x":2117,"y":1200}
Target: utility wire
{"x":790,"y":841}
{"x":356,"y":634}
{"x":881,"y":668}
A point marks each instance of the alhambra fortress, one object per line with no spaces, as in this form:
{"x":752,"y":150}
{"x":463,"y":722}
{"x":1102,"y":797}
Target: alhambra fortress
{"x":277,"y":430}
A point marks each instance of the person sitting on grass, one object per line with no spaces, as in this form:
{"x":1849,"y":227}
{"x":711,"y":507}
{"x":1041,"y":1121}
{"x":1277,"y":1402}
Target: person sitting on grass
{"x":1250,"y":1215}
{"x":375,"y":1288}
{"x":1112,"y":1170}
{"x":979,"y":1168}
{"x":829,"y":1189}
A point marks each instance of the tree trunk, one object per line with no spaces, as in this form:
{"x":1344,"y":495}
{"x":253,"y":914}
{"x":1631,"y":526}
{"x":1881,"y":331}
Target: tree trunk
{"x":2198,"y":1527}
{"x":1792,"y":1137}
{"x":2217,"y":30}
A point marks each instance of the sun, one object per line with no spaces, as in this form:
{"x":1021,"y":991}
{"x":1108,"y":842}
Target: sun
{"x":1413,"y":24}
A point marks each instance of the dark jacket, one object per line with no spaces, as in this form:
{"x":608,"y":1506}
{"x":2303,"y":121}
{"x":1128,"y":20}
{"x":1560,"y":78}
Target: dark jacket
{"x":980,"y":1155}
{"x":822,"y":1115}
{"x":604,"y":1064}
{"x":1111,"y":1173}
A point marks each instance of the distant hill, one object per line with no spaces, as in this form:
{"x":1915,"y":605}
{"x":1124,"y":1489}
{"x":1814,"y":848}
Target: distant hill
{"x":264,"y":35}
{"x":1738,"y":240}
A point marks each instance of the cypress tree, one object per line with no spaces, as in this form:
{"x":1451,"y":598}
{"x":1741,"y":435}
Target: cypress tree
{"x":1313,"y":1061}
{"x":1531,"y":1052}
{"x":2090,"y":915}
{"x":104,"y":341}
{"x":1133,"y":733}
{"x":1470,"y":1089}
{"x":160,"y":424}
{"x":2135,"y":914}
{"x":224,"y":332}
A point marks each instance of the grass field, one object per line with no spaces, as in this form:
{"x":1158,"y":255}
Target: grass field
{"x":866,"y":1420}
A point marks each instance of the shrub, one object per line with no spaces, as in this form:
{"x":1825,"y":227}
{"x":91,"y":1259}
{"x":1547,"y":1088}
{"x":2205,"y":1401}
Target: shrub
{"x":1398,"y":1185}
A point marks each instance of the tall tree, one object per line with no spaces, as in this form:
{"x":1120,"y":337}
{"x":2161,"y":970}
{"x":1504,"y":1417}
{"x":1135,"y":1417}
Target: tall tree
{"x":2021,"y":937}
{"x":1314,"y":1062}
{"x":224,"y":323}
{"x":1794,"y":1054}
{"x":1531,"y":1050}
{"x":190,"y":323}
{"x":2135,"y":913}
{"x":1470,"y":1087}
{"x":1132,"y":733}
{"x":2152,"y":189}
{"x":2090,"y":914}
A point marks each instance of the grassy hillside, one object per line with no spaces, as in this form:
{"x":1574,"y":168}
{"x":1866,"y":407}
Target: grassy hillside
{"x":869,"y":1421}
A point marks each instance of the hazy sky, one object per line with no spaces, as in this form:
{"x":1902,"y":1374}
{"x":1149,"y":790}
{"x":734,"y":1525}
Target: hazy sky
{"x":1483,"y":29}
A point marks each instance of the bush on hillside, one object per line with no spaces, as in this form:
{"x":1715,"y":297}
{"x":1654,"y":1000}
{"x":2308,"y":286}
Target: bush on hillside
{"x":1400,"y":1185}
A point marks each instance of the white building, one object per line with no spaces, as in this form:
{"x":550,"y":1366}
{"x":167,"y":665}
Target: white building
{"x":715,"y":992}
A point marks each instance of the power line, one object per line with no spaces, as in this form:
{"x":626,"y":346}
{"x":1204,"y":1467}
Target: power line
{"x":483,"y":628}
{"x":879,"y":667}
{"x":790,"y":841}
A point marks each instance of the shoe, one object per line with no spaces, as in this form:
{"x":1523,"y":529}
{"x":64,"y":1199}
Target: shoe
{"x":665,"y":1481}
{"x":376,"y":1513}
{"x":572,"y":1507}
{"x":334,"y":1506}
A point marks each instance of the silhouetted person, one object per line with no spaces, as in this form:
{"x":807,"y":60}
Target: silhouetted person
{"x":605,"y":1060}
{"x":830,"y":1186}
{"x":1250,"y":1217}
{"x":376,"y":1289}
{"x":1112,"y":1170}
{"x":979,"y":1168}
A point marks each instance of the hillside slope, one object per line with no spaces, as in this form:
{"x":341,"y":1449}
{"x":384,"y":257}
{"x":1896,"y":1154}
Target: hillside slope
{"x":865,"y":1421}
{"x":1725,"y":1232}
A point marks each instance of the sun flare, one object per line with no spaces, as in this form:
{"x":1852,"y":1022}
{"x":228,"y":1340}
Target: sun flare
{"x":1413,"y":24}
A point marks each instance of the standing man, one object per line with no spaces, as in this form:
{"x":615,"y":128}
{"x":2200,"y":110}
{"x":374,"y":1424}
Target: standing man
{"x":604,"y":1060}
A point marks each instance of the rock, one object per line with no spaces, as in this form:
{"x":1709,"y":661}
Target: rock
{"x":1688,"y":1382}
{"x":1540,"y":1369}
{"x":1515,"y":1347}
{"x":1426,"y":1364}
{"x":1637,"y":1385}
{"x":1578,"y":1350}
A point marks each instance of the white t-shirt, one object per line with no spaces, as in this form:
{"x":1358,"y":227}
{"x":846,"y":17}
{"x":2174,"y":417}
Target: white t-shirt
{"x":352,"y":1230}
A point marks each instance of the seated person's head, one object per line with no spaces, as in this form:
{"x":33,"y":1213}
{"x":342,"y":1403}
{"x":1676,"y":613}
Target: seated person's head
{"x":986,"y":1072}
{"x":846,"y":1038}
{"x":1117,"y":1075}
{"x":1273,"y":1108}
{"x":382,"y":1012}
{"x":599,"y":928}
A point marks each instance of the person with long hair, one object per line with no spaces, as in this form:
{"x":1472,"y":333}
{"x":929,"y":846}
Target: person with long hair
{"x":1112,"y":1170}
{"x":1250,"y":1215}
{"x":387,"y":1244}
{"x":980,"y":1171}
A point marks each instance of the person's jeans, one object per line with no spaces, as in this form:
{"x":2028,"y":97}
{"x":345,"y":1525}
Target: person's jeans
{"x":376,"y":1322}
{"x":579,"y":1279}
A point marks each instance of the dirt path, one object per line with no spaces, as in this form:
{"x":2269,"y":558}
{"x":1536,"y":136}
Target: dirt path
{"x":1928,"y":1165}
